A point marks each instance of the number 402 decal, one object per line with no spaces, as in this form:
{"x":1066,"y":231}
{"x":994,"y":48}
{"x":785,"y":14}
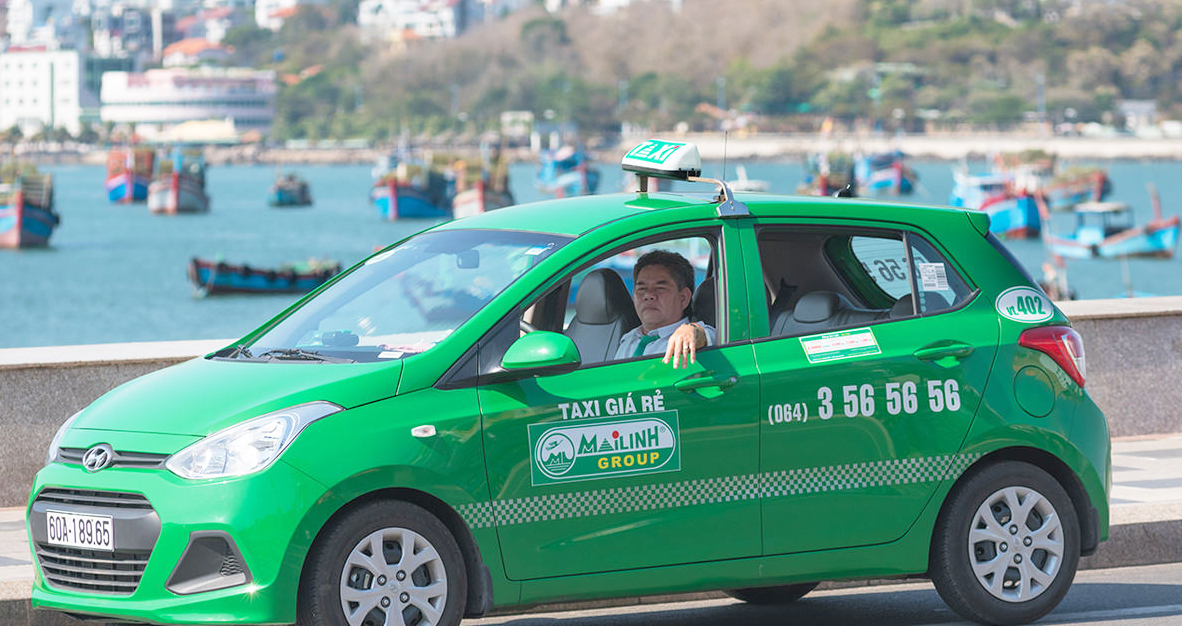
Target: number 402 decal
{"x":901,"y":398}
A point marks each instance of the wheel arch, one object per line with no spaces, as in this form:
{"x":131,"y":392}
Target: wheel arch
{"x":480,"y":589}
{"x":1089,"y":524}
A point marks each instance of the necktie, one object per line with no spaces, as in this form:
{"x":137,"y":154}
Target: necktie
{"x":644,"y":341}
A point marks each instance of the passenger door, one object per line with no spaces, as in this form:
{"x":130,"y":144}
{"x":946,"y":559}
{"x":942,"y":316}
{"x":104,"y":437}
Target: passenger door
{"x":862,"y":418}
{"x":627,"y":464}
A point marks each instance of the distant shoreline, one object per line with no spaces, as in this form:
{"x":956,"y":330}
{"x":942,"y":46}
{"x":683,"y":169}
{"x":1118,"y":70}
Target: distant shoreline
{"x":711,"y":146}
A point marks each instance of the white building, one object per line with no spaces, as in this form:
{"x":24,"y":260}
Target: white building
{"x":41,"y":89}
{"x":427,"y":19}
{"x":155,"y":100}
{"x":59,"y":23}
{"x":271,"y":13}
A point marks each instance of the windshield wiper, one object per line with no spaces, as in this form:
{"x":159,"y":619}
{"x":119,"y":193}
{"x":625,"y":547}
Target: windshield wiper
{"x":298,"y":354}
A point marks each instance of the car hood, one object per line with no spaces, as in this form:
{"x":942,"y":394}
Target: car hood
{"x":203,"y":396}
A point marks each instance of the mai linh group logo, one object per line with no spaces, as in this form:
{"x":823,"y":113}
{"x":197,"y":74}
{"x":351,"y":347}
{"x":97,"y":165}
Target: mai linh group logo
{"x":604,"y":448}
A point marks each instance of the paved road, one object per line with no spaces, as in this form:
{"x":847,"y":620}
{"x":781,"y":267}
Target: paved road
{"x":1129,"y":596}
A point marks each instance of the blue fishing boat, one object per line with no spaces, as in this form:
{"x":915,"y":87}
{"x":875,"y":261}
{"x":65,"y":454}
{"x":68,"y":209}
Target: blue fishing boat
{"x":406,"y":189}
{"x":884,"y":173}
{"x":565,"y":172}
{"x":129,"y":172}
{"x":1062,"y":188}
{"x":289,"y":190}
{"x":1106,"y":230}
{"x":27,"y":218}
{"x":218,"y":277}
{"x":1013,"y":213}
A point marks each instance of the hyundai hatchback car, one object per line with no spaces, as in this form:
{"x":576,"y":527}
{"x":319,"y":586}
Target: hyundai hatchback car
{"x":446,"y":428}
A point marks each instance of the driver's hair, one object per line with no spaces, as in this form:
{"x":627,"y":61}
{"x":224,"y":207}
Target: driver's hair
{"x":677,"y":265}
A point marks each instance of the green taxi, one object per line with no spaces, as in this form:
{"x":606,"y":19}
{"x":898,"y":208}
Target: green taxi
{"x":450,"y":427}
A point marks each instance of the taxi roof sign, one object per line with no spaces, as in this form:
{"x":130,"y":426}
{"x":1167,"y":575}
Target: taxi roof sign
{"x":664,"y":159}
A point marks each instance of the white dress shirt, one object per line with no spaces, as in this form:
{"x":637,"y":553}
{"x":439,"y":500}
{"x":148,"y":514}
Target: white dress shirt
{"x":631,"y":339}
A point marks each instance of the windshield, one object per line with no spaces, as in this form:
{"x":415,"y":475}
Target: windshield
{"x":405,"y":300}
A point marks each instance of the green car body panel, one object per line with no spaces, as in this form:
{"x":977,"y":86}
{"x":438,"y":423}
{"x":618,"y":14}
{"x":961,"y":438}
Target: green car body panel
{"x":792,"y":495}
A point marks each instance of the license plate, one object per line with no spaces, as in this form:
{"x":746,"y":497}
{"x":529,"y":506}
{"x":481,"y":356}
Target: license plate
{"x":91,"y":532}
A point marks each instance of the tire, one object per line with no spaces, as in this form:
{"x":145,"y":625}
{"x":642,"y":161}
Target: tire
{"x":346,"y":581}
{"x":782,"y":594}
{"x":993,"y":566}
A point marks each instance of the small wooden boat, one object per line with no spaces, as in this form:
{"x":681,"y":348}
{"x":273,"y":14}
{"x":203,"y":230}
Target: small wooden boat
{"x":129,"y":172}
{"x":828,"y":174}
{"x":1106,"y":230}
{"x":217,"y":277}
{"x":884,"y":173}
{"x":290,"y":190}
{"x":1013,"y":213}
{"x":27,"y":218}
{"x":480,"y":198}
{"x":1062,"y":188}
{"x":179,"y":185}
{"x":565,"y":172}
{"x":406,"y":189}
{"x":742,"y":183}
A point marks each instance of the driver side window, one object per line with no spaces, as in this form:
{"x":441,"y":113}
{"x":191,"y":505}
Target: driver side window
{"x":595,"y":305}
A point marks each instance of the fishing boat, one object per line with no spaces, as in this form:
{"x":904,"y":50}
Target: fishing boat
{"x":27,"y":218}
{"x":566,"y":171}
{"x":1013,"y":212}
{"x":480,"y":198}
{"x":129,"y":172}
{"x":828,"y":174}
{"x":179,"y":184}
{"x":884,"y":173}
{"x":410,"y":188}
{"x":1036,"y":171}
{"x":1107,"y":230}
{"x":219,"y":277}
{"x":289,"y":190}
{"x":742,"y":183}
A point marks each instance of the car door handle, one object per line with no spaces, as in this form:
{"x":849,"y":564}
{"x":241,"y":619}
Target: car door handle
{"x":698,"y":382}
{"x":944,"y":350}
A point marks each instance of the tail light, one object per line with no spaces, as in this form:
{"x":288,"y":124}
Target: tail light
{"x":1062,"y":344}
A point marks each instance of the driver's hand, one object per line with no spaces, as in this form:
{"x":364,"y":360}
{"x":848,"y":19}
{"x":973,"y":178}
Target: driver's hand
{"x":683,"y":345}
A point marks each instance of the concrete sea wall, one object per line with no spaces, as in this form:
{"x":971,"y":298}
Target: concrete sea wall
{"x":1133,"y":349}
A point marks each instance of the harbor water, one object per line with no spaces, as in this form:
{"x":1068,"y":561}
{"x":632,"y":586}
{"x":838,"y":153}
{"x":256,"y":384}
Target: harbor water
{"x":115,"y":273}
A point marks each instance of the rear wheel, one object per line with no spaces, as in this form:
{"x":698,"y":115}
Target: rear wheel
{"x":382,"y":564}
{"x":782,"y":594}
{"x":1006,"y":545}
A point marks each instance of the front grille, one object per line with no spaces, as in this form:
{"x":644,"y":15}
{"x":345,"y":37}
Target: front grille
{"x":85,"y":497}
{"x":88,"y":570}
{"x":96,"y":571}
{"x":73,"y":456}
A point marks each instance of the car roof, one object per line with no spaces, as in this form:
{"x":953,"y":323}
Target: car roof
{"x":578,"y":215}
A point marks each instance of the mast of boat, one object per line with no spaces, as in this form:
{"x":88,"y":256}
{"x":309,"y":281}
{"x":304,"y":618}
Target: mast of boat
{"x":1155,"y":199}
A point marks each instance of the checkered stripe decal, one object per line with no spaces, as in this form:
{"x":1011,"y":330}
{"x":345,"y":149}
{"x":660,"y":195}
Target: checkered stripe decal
{"x":712,"y":490}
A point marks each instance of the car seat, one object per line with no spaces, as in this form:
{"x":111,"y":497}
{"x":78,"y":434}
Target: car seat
{"x":702,"y":308}
{"x":603,"y":313}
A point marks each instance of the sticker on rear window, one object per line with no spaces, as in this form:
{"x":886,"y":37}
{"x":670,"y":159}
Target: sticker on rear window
{"x":845,"y":344}
{"x":1024,"y":304}
{"x":932,"y":276}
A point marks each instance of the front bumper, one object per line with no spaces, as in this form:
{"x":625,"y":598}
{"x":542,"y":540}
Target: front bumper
{"x":159,"y":518}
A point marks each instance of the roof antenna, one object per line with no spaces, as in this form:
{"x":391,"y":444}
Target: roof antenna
{"x":725,"y":134}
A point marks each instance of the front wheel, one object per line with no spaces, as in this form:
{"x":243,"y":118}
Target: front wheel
{"x":384,"y":563}
{"x":1006,"y":545}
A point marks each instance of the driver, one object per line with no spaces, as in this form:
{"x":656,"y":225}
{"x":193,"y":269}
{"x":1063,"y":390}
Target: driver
{"x":663,"y":287}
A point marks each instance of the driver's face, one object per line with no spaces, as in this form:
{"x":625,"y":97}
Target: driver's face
{"x":657,"y":299}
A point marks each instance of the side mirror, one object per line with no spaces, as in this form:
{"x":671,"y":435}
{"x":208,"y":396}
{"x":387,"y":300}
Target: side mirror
{"x":542,"y":352}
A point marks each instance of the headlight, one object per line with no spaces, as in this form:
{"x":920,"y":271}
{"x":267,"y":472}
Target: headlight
{"x":248,"y":447}
{"x":57,"y":438}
